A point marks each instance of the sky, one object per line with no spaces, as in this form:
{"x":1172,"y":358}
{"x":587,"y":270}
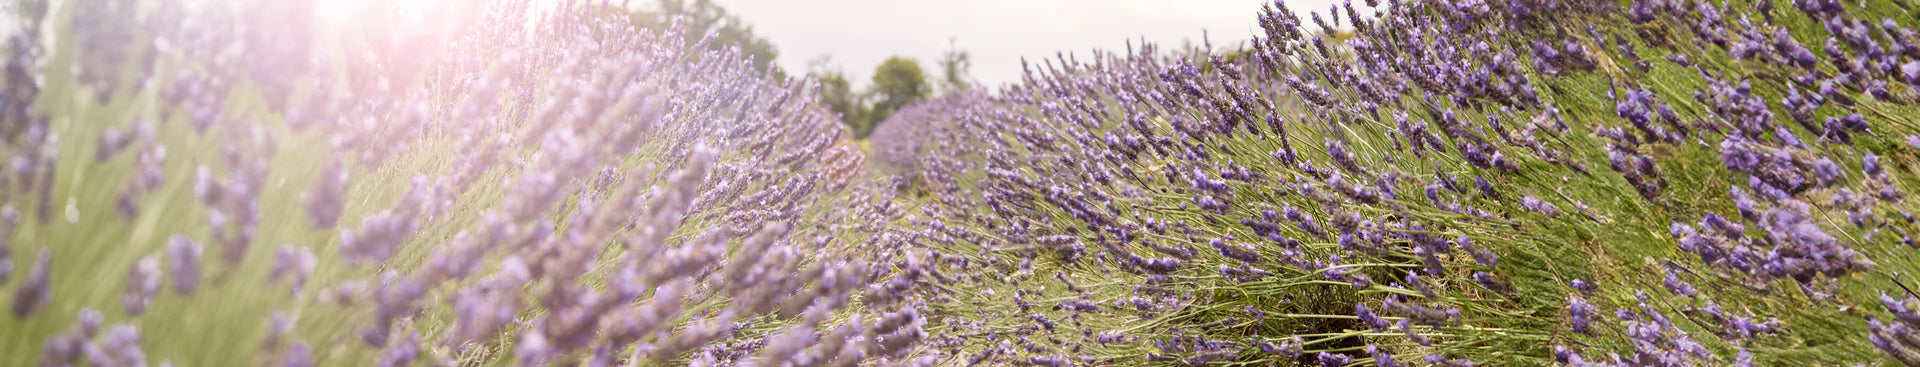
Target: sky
{"x":859,"y":34}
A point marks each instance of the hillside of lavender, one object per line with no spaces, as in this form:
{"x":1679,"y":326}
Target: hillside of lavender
{"x":1382,"y":183}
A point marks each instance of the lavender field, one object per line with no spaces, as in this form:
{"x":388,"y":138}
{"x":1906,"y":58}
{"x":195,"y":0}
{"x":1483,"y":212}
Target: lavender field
{"x":1382,"y":183}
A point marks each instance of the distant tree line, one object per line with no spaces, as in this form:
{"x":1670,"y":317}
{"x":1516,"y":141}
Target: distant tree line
{"x":896,"y":82}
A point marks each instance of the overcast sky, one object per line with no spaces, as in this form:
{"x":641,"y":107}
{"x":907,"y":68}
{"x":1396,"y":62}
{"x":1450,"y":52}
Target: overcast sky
{"x":858,"y":34}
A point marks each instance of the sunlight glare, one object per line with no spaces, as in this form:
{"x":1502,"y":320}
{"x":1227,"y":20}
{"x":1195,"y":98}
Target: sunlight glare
{"x":344,"y":15}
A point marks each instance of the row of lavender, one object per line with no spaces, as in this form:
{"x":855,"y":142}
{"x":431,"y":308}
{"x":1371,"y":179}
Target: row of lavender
{"x":552,"y":186}
{"x":1425,"y":186}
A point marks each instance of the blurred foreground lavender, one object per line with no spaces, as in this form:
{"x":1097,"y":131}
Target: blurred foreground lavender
{"x":551,"y":187}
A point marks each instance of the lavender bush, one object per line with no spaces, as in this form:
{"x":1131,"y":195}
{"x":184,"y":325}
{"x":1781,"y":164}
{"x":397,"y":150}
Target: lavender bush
{"x":1447,"y":183}
{"x":1444,"y":183}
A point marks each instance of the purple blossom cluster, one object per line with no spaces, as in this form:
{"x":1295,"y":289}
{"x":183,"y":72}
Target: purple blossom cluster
{"x":1657,"y":341}
{"x":1788,"y":180}
{"x":85,"y":341}
{"x":1896,"y":336}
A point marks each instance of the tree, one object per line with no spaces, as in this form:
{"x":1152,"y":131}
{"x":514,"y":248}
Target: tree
{"x":953,"y":68}
{"x":896,"y":82}
{"x":837,"y":94}
{"x":700,"y":17}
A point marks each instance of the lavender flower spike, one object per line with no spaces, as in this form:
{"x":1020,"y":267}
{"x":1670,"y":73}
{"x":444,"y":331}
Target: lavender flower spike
{"x":33,"y":295}
{"x":183,"y":257}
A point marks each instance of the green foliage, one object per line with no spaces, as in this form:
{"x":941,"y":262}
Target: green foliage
{"x":954,"y":65}
{"x":898,"y":81}
{"x":838,"y":95}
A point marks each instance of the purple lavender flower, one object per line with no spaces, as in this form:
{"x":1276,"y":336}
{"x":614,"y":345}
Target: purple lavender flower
{"x":1359,"y":281}
{"x":534,"y":349}
{"x":402,"y":353}
{"x":298,"y":355}
{"x":9,"y":219}
{"x":1826,"y":171}
{"x":1767,"y":190}
{"x":1406,"y":327}
{"x":1305,"y":221}
{"x":1580,"y":312}
{"x":1743,"y":201}
{"x":294,"y":262}
{"x":1079,"y":306}
{"x":1487,"y":189}
{"x":1381,"y":358}
{"x":378,"y":238}
{"x":33,"y":295}
{"x":1333,"y":359}
{"x":1678,"y":287}
{"x":89,"y":322}
{"x":1563,"y":354}
{"x":1655,"y":336}
{"x":477,"y":315}
{"x":1048,"y":360}
{"x":119,"y":347}
{"x":1870,"y":164}
{"x":183,"y":257}
{"x":1244,"y":253}
{"x":111,"y":143}
{"x":1488,"y":281}
{"x":1536,"y":205}
{"x":1484,"y":257}
{"x":1901,"y":308}
{"x":278,"y":326}
{"x":1367,"y":317}
{"x":1338,"y":151}
{"x":64,"y":348}
{"x":1418,"y":284}
{"x":143,"y":282}
{"x":1583,"y":286}
{"x":1910,"y":72}
{"x":1291,"y":348}
{"x":1110,"y":336}
{"x":6,"y":259}
{"x":325,"y":200}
